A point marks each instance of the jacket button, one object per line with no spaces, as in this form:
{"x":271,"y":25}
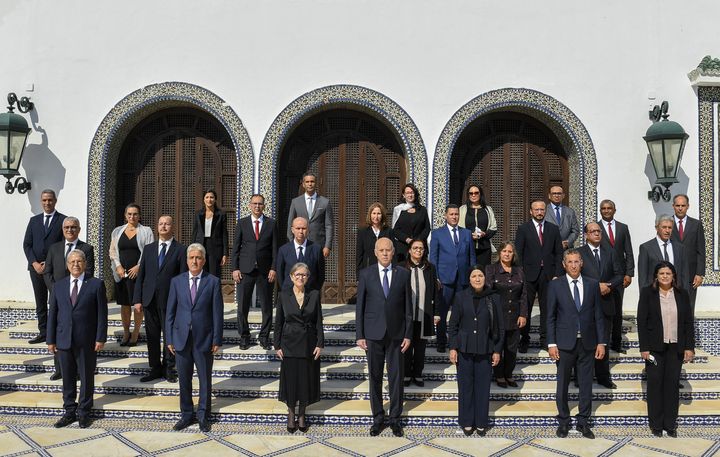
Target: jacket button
{"x":476,"y":318}
{"x":474,"y":331}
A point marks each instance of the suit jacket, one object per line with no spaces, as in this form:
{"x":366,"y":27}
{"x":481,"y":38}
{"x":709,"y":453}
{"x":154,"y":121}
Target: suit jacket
{"x":56,"y":265}
{"x":650,"y":324}
{"x":452,"y":262}
{"x":694,"y":243}
{"x":287,"y":257}
{"x":205,"y":316}
{"x":321,"y":220}
{"x":37,"y":241}
{"x":218,"y":234}
{"x":623,"y":246}
{"x":298,"y":331}
{"x":376,"y":315}
{"x":532,"y":253}
{"x":365,"y":249}
{"x":433,"y":295}
{"x":569,"y":227}
{"x":649,"y":256}
{"x":152,"y":285}
{"x":563,"y":318}
{"x":249,"y":254}
{"x":609,"y":271}
{"x":476,"y":330}
{"x":81,"y":325}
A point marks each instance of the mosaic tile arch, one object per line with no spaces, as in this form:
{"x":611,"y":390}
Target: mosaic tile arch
{"x":341,"y":96}
{"x":566,"y":126}
{"x":113,"y":130}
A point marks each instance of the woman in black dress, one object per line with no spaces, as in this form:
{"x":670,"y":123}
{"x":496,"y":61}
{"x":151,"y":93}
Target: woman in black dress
{"x":210,"y":230}
{"x":377,"y":227}
{"x":508,"y":280}
{"x":410,"y":222}
{"x":665,"y":332}
{"x":299,"y":340}
{"x":479,"y":218}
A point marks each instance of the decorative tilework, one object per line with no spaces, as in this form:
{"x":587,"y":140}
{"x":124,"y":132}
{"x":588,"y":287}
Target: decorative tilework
{"x":341,"y":96}
{"x":566,"y":126}
{"x":111,"y":134}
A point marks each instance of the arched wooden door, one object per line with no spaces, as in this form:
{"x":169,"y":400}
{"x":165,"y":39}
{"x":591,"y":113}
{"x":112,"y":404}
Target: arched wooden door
{"x":358,"y":161}
{"x":166,"y":164}
{"x":515,"y":159}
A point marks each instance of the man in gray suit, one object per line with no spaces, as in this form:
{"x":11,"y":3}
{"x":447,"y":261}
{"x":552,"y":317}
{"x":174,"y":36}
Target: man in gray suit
{"x":660,"y":248}
{"x":562,"y":216}
{"x":317,"y":210}
{"x":690,"y":233}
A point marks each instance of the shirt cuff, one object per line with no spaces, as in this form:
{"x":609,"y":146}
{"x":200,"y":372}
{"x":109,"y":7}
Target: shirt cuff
{"x":552,"y":345}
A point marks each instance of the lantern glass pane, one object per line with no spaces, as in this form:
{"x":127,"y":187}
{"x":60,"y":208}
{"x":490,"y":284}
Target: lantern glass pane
{"x":656,"y":154}
{"x":17,"y":143}
{"x":4,"y":149}
{"x":672,"y":156}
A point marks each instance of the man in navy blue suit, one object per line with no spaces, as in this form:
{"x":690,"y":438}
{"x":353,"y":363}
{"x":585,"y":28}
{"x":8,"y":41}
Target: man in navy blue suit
{"x":300,"y":249}
{"x":575,"y":336}
{"x":76,"y":331}
{"x":383,"y":327}
{"x":194,"y":331}
{"x":43,"y":230}
{"x":452,"y":253}
{"x":162,"y":260}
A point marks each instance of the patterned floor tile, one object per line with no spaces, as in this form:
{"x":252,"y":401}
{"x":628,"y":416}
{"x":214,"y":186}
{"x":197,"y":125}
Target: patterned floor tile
{"x":530,"y":451}
{"x":45,"y":436}
{"x":107,"y":446}
{"x":10,"y":443}
{"x":156,"y":441}
{"x":423,"y":450}
{"x":265,"y":444}
{"x":631,"y":450}
{"x":473,"y":445}
{"x":692,"y":447}
{"x":316,"y":449}
{"x":371,"y":446}
{"x":575,"y":445}
{"x":208,"y":448}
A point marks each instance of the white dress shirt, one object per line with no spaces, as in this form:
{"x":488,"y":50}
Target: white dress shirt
{"x":661,"y":243}
{"x":382,"y":273}
{"x":304,"y":246}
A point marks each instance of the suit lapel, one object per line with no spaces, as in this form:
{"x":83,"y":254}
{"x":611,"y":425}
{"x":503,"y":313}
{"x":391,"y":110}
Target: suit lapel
{"x":201,"y":288}
{"x":171,"y":249}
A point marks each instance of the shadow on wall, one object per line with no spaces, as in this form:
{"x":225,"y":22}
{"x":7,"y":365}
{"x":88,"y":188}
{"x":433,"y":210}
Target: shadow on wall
{"x":42,"y":168}
{"x":663,"y":207}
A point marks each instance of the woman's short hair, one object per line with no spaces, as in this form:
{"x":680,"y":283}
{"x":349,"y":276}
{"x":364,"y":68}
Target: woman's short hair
{"x":505,"y":244}
{"x":424,"y":262}
{"x":133,"y":205}
{"x":415,"y":191}
{"x":383,"y":219}
{"x":664,"y":264}
{"x":299,"y":266}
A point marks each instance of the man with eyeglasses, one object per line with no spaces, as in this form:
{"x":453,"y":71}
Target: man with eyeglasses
{"x":56,"y":263}
{"x":562,"y":216}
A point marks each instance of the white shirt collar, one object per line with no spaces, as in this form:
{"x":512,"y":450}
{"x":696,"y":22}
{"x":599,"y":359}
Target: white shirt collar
{"x":304,"y":245}
{"x":253,"y":218}
{"x":313,"y":196}
{"x":570,"y":280}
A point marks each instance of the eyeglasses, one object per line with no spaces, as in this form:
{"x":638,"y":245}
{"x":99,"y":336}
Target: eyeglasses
{"x":417,"y":248}
{"x":301,"y":275}
{"x":473,"y":193}
{"x":74,"y":227}
{"x":556,"y":193}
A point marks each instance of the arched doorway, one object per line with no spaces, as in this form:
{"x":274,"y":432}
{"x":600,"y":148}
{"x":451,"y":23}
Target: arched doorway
{"x":515,"y":159}
{"x":166,"y":163}
{"x":358,"y":161}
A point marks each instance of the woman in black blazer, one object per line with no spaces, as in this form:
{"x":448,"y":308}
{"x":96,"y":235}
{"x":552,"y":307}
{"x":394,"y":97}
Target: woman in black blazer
{"x":410,"y":221}
{"x":377,"y":227}
{"x":210,"y":230}
{"x":666,"y":334}
{"x":476,"y":333}
{"x":299,"y":340}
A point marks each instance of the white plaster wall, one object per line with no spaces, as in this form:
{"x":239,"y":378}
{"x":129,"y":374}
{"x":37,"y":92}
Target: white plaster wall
{"x":602,"y":59}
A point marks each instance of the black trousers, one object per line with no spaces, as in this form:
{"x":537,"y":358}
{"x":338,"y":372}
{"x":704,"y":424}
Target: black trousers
{"x":536,"y":288}
{"x":155,"y":329}
{"x":415,"y":356}
{"x":663,"y":395}
{"x":602,"y":366}
{"x":186,"y":359}
{"x":582,"y":360}
{"x":40,"y":291}
{"x":78,"y":363}
{"x":473,"y":374}
{"x":379,"y":352}
{"x":483,"y":257}
{"x":259,"y":282}
{"x":616,"y":334}
{"x":505,"y":368}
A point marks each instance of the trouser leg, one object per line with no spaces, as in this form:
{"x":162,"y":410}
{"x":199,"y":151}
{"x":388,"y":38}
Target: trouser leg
{"x":40,"y":291}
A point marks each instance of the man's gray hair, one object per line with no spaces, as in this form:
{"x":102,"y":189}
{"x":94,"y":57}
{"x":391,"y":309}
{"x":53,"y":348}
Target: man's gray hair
{"x":662,"y":218}
{"x":196,"y":247}
{"x":72,"y":219}
{"x":77,"y":253}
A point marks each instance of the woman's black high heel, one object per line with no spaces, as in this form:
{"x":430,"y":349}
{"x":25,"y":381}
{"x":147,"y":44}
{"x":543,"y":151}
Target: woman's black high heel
{"x":302,"y":425}
{"x":291,"y":424}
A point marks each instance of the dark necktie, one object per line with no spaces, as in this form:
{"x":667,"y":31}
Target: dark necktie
{"x":161,"y":257}
{"x":576,"y":294}
{"x":665,"y":254}
{"x":193,"y":289}
{"x":540,"y":233}
{"x":597,"y":257}
{"x":455,"y":236}
{"x":257,"y":229}
{"x":557,"y":215}
{"x":611,"y":235}
{"x":386,"y":283}
{"x":301,"y":256}
{"x":681,"y":232}
{"x":74,"y":293}
{"x":310,"y":207}
{"x":47,"y":221}
{"x":67,"y":252}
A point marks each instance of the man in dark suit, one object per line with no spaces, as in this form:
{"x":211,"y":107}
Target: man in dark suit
{"x":599,"y":263}
{"x":56,"y":263}
{"x":562,"y":216}
{"x":452,"y":252}
{"x":300,"y":249}
{"x":162,"y":260}
{"x":76,"y":331}
{"x":575,"y":335}
{"x":690,"y":233}
{"x":317,"y":210}
{"x":383,"y":327}
{"x":660,"y":248}
{"x":616,"y":235}
{"x":194,"y":332}
{"x":539,"y":248}
{"x":43,"y":230}
{"x":253,"y":264}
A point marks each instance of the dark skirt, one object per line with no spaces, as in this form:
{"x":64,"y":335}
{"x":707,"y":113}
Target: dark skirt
{"x":124,"y":291}
{"x":299,"y":381}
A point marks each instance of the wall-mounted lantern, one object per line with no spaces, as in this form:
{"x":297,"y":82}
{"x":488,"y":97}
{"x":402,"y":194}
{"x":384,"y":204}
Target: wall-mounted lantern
{"x":13,"y":135}
{"x":665,"y":141}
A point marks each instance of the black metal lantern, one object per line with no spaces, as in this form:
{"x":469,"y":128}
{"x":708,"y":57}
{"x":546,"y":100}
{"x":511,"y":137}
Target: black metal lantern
{"x":665,"y":141}
{"x":13,"y":135}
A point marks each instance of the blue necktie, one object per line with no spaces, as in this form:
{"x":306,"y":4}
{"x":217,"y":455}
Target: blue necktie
{"x":557,"y":214}
{"x":193,"y":289}
{"x":386,"y":283}
{"x":576,"y":294}
{"x":161,"y":257}
{"x":455,"y":236}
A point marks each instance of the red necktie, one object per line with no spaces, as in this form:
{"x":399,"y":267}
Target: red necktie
{"x":257,"y":229}
{"x":680,"y":229}
{"x":540,"y":233}
{"x":611,"y":235}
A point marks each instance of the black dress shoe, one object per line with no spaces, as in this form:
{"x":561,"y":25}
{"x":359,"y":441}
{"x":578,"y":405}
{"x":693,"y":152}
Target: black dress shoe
{"x":482,"y":431}
{"x":502,"y":384}
{"x":681,"y":385}
{"x":375,"y":429}
{"x":441,"y":348}
{"x":523,"y":347}
{"x":182,"y":424}
{"x":396,"y":429}
{"x":657,"y":433}
{"x":512,"y":383}
{"x":619,"y":350}
{"x":419,"y":382}
{"x":672,"y":433}
{"x":244,"y":345}
{"x":84,"y":421}
{"x":562,"y":431}
{"x":204,"y":425}
{"x":170,"y":376}
{"x":66,"y":420}
{"x":153,"y":375}
{"x":577,"y":383}
{"x":407,"y":382}
{"x":302,"y":424}
{"x":586,"y":432}
{"x":608,"y":384}
{"x":468,"y":430}
{"x":55,"y":376}
{"x":38,"y":339}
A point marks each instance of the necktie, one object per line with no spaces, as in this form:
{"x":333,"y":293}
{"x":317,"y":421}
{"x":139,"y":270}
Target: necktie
{"x":557,"y":214}
{"x":597,"y":256}
{"x":74,"y":293}
{"x":611,"y":235}
{"x":540,"y":233}
{"x":310,"y":206}
{"x":67,"y":252}
{"x":417,"y":292}
{"x":161,"y":257}
{"x":301,"y":256}
{"x":193,"y":289}
{"x":576,"y":294}
{"x":665,"y":254}
{"x":257,"y":229}
{"x":455,"y":236}
{"x":47,"y":221}
{"x":681,"y":232}
{"x":386,"y":283}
